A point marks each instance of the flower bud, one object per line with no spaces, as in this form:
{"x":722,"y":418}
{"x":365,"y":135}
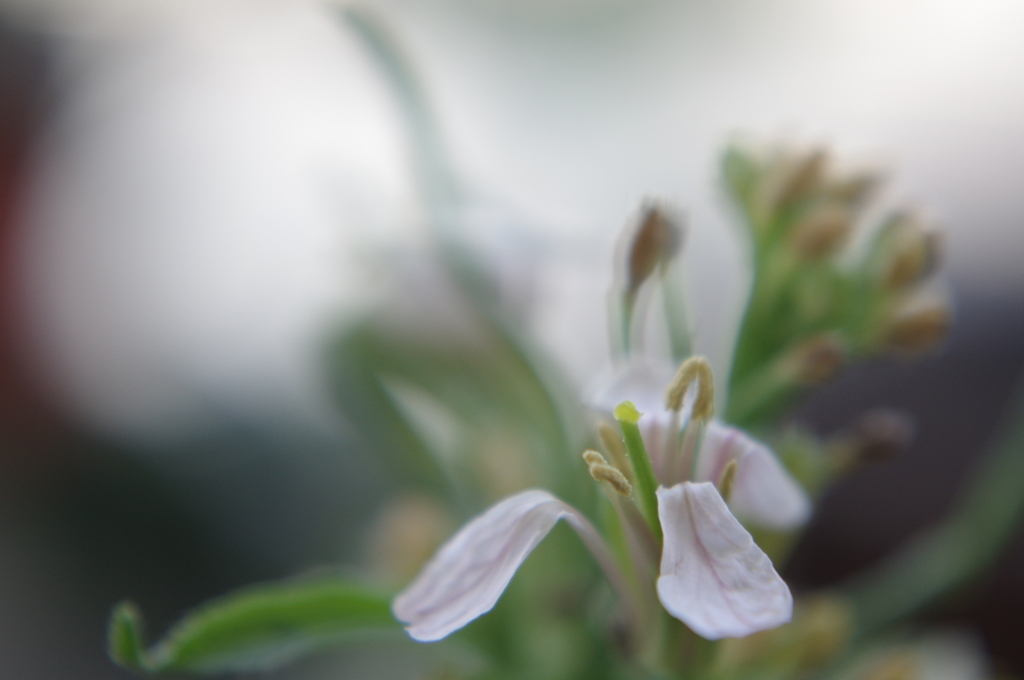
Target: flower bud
{"x":919,"y":330}
{"x":878,"y":436}
{"x":854,"y":190}
{"x":800,"y":176}
{"x":821,"y":232}
{"x":914,"y":256}
{"x":817,"y":359}
{"x":655,"y":242}
{"x":881,"y":434}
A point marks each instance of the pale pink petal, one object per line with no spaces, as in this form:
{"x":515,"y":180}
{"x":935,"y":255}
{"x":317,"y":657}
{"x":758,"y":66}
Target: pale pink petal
{"x":764,"y":492}
{"x":721,"y":445}
{"x":470,"y":572}
{"x":714,"y":578}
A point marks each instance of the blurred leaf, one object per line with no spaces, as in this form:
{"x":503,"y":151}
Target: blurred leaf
{"x":259,"y":627}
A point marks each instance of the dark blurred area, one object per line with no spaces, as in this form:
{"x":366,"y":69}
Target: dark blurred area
{"x":959,"y":401}
{"x":86,"y":521}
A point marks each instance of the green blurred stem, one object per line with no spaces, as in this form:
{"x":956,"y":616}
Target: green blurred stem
{"x":626,"y":321}
{"x":946,"y":556}
{"x":673,"y":295}
{"x":433,"y":167}
{"x":758,"y":392}
{"x":643,"y":473}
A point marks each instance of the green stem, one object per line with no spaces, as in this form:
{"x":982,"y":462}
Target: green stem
{"x":673,"y":296}
{"x":750,"y":397}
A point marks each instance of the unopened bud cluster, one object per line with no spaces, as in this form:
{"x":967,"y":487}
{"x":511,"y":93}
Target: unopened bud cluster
{"x":823,"y":294}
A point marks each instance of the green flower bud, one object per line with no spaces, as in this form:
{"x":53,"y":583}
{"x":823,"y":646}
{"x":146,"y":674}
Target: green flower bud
{"x":817,"y":359}
{"x":821,"y":232}
{"x":919,"y":330}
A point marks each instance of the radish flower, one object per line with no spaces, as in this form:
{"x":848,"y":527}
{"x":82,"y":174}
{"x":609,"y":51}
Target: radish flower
{"x":712,"y":575}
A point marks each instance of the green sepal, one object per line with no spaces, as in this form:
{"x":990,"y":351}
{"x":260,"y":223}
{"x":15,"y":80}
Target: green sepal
{"x":124,"y":637}
{"x":255,"y":628}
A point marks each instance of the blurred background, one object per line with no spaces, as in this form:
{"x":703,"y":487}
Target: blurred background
{"x":197,"y":197}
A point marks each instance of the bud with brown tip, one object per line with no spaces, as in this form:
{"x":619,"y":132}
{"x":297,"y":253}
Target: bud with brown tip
{"x":821,"y":232}
{"x":881,"y":434}
{"x":655,"y":242}
{"x":817,"y":359}
{"x":909,"y":252}
{"x":919,"y":330}
{"x":854,"y":190}
{"x":801,"y":176}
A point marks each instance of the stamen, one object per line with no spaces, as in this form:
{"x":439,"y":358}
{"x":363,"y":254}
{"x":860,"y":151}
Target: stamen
{"x":616,"y":449}
{"x":728,"y":479}
{"x":603,"y":472}
{"x":694,"y":368}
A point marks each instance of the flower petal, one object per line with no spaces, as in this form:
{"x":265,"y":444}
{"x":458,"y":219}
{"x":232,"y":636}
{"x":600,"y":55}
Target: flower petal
{"x":470,"y":572}
{"x":640,"y":381}
{"x":714,"y":578}
{"x":764,"y":492}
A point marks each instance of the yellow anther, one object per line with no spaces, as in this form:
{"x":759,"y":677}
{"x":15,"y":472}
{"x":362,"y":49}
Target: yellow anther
{"x":603,"y":472}
{"x":615,"y":448}
{"x":694,"y":368}
{"x":727,"y":480}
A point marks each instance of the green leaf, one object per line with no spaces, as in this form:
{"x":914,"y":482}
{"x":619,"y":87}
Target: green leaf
{"x":258,"y":627}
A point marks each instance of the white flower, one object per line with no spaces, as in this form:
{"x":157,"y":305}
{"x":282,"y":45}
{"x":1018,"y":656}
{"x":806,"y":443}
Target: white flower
{"x":764,"y":492}
{"x":713,"y":577}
